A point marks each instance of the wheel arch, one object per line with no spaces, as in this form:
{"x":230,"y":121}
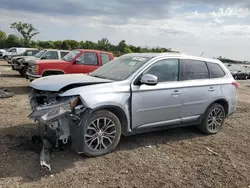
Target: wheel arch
{"x":119,"y":112}
{"x":44,"y":73}
{"x":222,"y":102}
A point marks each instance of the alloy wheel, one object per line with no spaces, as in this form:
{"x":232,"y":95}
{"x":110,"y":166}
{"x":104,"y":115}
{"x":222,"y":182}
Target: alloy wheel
{"x":100,"y":134}
{"x":215,"y":120}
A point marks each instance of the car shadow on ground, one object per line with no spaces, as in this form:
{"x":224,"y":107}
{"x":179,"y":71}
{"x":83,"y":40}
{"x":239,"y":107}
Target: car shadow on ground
{"x":20,"y":153}
{"x":159,"y":137}
{"x":5,"y":65}
{"x":11,"y":76}
{"x":17,"y":90}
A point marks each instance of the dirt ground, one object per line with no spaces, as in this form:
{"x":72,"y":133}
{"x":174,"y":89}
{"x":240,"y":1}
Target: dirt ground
{"x":182,"y":157}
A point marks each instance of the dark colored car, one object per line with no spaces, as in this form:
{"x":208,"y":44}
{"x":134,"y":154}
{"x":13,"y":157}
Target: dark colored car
{"x":238,"y":72}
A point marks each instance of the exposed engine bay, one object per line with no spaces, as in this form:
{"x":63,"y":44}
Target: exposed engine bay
{"x":56,"y":117}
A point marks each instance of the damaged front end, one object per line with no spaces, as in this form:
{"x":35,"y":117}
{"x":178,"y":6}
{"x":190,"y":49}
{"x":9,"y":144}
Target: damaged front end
{"x":56,"y":116}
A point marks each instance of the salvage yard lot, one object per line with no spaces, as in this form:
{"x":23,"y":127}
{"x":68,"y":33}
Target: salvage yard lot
{"x":182,"y":157}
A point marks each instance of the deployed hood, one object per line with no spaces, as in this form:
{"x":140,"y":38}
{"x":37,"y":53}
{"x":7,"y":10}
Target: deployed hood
{"x":58,"y":82}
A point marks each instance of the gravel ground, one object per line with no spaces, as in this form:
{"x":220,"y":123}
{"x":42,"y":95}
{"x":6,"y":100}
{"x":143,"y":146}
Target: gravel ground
{"x":182,"y":157}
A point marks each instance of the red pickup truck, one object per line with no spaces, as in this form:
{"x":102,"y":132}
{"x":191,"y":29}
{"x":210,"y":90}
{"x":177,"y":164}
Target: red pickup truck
{"x":77,"y":61}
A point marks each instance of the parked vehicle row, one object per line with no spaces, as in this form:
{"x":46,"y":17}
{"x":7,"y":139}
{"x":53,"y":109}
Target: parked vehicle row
{"x":239,"y":71}
{"x":21,"y":63}
{"x":77,"y":61}
{"x":34,"y":64}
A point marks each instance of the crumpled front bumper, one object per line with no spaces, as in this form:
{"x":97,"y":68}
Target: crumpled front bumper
{"x":61,"y":112}
{"x":49,"y":113}
{"x":32,"y":76}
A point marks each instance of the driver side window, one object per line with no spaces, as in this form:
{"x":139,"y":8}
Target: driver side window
{"x":13,"y":50}
{"x":88,"y":58}
{"x":166,"y":70}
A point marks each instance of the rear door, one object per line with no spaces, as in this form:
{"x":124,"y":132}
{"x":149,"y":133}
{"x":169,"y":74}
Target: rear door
{"x":217,"y":81}
{"x":85,"y":63}
{"x":196,"y":86}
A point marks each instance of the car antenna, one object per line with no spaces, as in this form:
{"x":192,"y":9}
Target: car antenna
{"x":202,"y":53}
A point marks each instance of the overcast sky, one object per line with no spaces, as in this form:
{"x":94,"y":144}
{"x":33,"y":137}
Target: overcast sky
{"x":215,"y":27}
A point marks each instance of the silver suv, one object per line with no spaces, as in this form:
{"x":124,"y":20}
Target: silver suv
{"x":132,"y":94}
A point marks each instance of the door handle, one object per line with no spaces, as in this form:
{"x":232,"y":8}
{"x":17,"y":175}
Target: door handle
{"x":176,"y":92}
{"x":211,"y":89}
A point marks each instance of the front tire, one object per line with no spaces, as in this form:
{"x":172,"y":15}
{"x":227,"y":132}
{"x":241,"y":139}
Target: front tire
{"x":213,"y":120}
{"x":24,"y":70}
{"x":101,"y":134}
{"x":21,"y":72}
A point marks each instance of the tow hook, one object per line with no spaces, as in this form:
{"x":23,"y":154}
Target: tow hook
{"x":45,"y":153}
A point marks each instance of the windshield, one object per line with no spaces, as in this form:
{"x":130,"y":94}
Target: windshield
{"x":120,"y":68}
{"x":70,"y":56}
{"x":40,"y":53}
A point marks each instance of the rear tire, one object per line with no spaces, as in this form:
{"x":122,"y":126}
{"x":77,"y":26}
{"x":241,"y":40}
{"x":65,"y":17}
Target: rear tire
{"x":98,"y":139}
{"x":213,"y":119}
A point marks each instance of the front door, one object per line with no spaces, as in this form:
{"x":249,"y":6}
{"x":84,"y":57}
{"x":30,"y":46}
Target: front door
{"x":160,"y":104}
{"x":85,"y":63}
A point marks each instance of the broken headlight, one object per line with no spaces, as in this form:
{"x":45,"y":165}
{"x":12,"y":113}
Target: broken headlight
{"x":48,"y":113}
{"x":54,"y":111}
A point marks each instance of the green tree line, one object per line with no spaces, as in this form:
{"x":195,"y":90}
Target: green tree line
{"x":27,"y":31}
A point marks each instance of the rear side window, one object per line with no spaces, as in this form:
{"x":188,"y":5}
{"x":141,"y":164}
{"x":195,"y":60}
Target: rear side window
{"x":105,"y":58}
{"x":13,"y":50}
{"x":34,"y":52}
{"x":193,"y":69}
{"x":63,"y":54}
{"x":215,"y":70}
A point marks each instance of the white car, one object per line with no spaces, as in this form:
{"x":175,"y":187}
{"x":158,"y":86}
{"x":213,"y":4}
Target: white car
{"x":1,"y":52}
{"x":13,"y":51}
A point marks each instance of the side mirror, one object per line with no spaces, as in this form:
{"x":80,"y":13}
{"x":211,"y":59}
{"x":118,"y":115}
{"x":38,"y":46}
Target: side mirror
{"x":77,"y":61}
{"x":46,"y":57}
{"x":149,"y":79}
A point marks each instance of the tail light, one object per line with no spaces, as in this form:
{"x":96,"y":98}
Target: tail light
{"x":235,"y":84}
